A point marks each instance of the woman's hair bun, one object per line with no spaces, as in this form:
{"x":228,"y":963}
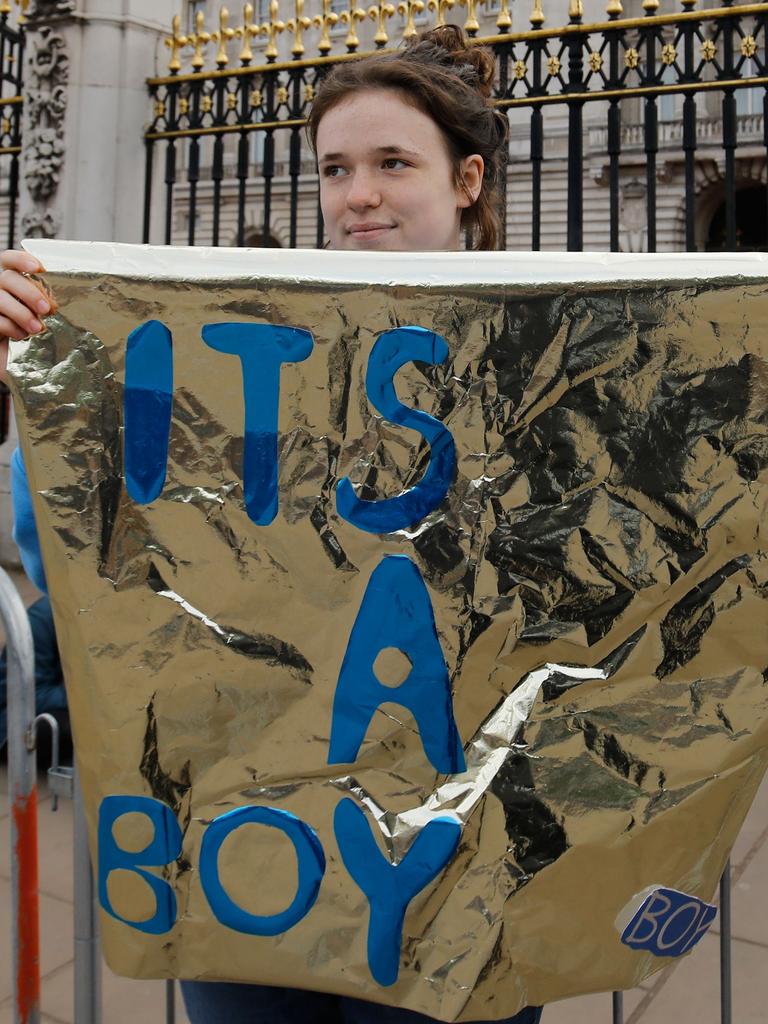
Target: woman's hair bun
{"x":447,"y":47}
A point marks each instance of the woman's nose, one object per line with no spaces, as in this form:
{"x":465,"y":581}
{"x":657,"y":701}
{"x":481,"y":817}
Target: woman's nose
{"x":363,"y":191}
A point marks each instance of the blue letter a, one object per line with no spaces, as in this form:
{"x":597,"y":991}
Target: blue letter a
{"x":396,"y":612}
{"x":262,"y":349}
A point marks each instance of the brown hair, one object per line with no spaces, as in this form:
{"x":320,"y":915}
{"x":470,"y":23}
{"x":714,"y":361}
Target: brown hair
{"x":450,"y":82}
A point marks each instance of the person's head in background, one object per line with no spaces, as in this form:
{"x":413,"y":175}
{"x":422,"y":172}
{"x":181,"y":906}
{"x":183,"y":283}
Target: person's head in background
{"x":410,"y":151}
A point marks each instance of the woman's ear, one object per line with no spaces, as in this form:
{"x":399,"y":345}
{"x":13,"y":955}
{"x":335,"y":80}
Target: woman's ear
{"x":471,"y":171}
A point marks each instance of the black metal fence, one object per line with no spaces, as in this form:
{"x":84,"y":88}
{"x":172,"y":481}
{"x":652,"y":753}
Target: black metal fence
{"x":670,"y":106}
{"x":11,"y":103}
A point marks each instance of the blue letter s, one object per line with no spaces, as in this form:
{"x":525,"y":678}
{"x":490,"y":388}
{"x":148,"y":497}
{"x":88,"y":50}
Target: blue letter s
{"x":392,"y":350}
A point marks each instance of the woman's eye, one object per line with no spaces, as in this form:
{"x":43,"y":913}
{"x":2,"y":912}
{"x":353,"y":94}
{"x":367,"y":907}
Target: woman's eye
{"x":332,"y":171}
{"x":393,"y":162}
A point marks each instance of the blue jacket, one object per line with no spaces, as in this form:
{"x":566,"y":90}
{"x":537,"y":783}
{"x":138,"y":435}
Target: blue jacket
{"x":24,"y":528}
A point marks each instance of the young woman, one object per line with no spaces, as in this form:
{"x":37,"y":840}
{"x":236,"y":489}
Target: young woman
{"x":410,"y":154}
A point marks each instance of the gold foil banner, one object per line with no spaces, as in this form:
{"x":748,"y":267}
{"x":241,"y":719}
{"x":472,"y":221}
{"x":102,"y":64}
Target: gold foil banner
{"x":459,"y":762}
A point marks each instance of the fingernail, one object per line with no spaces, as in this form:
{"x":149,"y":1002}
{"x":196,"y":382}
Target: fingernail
{"x":43,"y":306}
{"x":35,"y":326}
{"x":31,"y":266}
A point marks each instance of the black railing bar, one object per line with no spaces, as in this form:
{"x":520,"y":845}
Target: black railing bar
{"x":170,"y":1001}
{"x":618,"y":1008}
{"x":726,"y":978}
{"x":147,"y":193}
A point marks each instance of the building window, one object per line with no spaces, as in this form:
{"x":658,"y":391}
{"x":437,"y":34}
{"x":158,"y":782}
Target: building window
{"x":668,"y":101}
{"x":749,"y":101}
{"x":193,"y":8}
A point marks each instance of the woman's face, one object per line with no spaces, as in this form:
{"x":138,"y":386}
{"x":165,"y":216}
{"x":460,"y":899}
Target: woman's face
{"x":386,"y":180}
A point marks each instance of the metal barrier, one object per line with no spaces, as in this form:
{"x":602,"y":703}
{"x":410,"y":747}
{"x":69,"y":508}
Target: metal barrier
{"x":22,"y":785}
{"x":22,"y":793}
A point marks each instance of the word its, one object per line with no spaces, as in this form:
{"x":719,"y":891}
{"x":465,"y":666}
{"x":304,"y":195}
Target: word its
{"x":262,"y":350}
{"x":668,"y":923}
{"x":389,"y":888}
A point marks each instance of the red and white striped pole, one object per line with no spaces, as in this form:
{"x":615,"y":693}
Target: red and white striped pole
{"x":22,"y":793}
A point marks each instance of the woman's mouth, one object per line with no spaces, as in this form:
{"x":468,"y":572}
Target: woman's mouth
{"x":368,"y":231}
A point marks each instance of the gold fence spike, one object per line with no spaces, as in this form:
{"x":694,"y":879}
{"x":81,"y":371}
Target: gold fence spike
{"x":381,"y":12}
{"x":326,"y":22}
{"x":650,"y":6}
{"x":5,"y":7}
{"x":175,"y":44}
{"x":471,"y":25}
{"x":298,"y":25}
{"x":504,"y":20}
{"x":537,"y":18}
{"x":349,"y":17}
{"x":245,"y":32}
{"x":440,"y":6}
{"x":272,"y":29}
{"x":222,"y":37}
{"x":688,"y":5}
{"x":576,"y":10}
{"x":614,"y":8}
{"x":409,"y":9}
{"x":199,"y":39}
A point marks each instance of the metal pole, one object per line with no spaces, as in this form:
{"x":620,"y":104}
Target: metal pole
{"x":87,"y":954}
{"x":170,"y":1001}
{"x":22,"y":795}
{"x":618,"y":1008}
{"x":726,"y":1006}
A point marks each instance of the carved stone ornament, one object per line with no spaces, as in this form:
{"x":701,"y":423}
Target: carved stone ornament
{"x":41,"y":224}
{"x":44,"y":157}
{"x":39,"y":9}
{"x":46,"y":108}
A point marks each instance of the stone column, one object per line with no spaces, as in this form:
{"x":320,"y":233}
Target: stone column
{"x":83,"y":171}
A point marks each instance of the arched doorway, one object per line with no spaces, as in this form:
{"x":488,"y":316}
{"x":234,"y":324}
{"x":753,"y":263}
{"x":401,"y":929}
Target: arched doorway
{"x":254,"y":238}
{"x":751,"y":222}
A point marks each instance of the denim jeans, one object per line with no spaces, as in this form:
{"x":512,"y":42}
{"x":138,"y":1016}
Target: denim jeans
{"x":220,"y":1002}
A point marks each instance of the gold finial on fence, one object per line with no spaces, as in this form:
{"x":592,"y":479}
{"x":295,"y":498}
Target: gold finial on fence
{"x":576,"y":10}
{"x":409,"y":9}
{"x":325,"y":21}
{"x":379,"y":14}
{"x":614,"y":9}
{"x":199,"y":40}
{"x":271,"y":29}
{"x":649,"y":6}
{"x":537,"y":18}
{"x":247,"y":31}
{"x":688,"y":5}
{"x":298,"y":24}
{"x":222,"y":36}
{"x":175,"y":44}
{"x":349,"y":17}
{"x":504,"y":20}
{"x":471,"y":25}
{"x":441,"y":6}
{"x":5,"y":7}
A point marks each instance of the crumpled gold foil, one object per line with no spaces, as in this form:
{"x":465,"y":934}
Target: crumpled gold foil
{"x":598,"y":574}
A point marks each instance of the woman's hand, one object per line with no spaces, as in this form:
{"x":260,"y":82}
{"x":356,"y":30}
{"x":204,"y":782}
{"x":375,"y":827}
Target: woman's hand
{"x":21,"y":301}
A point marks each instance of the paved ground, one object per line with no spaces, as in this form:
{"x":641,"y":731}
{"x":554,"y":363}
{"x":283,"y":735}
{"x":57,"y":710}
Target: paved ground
{"x":687,"y":993}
